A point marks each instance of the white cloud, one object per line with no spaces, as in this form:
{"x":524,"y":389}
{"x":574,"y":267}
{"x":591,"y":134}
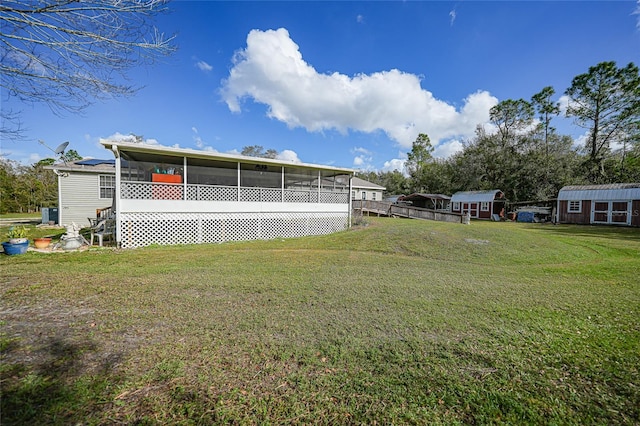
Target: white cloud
{"x":447,"y":149}
{"x":452,"y":15}
{"x":563,"y":104}
{"x":288,"y":155}
{"x":360,"y":19}
{"x":197,"y":139}
{"x":360,"y":150}
{"x":637,"y":12}
{"x":271,"y":71}
{"x":203,"y":66}
{"x":120,"y":137}
{"x":394,"y":164}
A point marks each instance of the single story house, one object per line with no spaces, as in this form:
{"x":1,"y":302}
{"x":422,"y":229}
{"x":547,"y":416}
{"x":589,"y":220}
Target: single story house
{"x":84,"y":186}
{"x":612,"y":204}
{"x":365,"y":190}
{"x":479,"y":204}
{"x":182,"y":196}
{"x":427,"y":201}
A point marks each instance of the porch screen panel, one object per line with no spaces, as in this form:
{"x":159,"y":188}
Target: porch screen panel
{"x":260,"y":176}
{"x":210,"y":172}
{"x":140,"y":167}
{"x":300,"y":185}
{"x":334,"y":188}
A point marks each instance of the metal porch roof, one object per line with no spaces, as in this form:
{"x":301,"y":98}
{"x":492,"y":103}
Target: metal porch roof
{"x":192,"y":153}
{"x":614,"y":191}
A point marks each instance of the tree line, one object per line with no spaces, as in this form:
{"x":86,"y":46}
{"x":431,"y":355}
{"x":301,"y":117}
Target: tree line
{"x":26,"y":189}
{"x":524,"y":155}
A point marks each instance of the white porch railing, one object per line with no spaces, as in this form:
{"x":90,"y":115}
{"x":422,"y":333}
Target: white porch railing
{"x":174,"y":191}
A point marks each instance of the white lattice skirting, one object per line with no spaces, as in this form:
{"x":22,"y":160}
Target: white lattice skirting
{"x":143,"y":229}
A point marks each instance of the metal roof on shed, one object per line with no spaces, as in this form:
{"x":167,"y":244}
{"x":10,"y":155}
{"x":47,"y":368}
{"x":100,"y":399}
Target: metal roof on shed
{"x":614,"y":191}
{"x":474,"y":196}
{"x":418,"y":196}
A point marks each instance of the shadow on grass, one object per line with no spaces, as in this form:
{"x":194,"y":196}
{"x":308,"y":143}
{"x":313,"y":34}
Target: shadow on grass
{"x":597,"y":231}
{"x":59,"y":387}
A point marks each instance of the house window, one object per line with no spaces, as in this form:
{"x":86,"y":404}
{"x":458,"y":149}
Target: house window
{"x":484,"y":206}
{"x":107,"y":186}
{"x":364,"y":195}
{"x":456,"y":206}
{"x":575,"y":207}
{"x":373,"y":196}
{"x":353,"y":195}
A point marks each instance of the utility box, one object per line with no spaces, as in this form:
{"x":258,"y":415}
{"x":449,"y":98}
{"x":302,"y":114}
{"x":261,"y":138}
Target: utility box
{"x":50,"y":214}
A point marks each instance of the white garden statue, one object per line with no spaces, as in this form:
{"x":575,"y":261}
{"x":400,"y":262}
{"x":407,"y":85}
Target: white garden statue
{"x":72,"y":240}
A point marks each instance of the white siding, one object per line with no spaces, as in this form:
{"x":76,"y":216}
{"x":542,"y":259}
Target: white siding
{"x":79,"y":193}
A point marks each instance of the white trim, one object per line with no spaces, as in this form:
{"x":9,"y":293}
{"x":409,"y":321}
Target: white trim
{"x":191,"y":206}
{"x":193,"y":153}
{"x":610,"y":212}
{"x":118,"y":194}
{"x":570,"y":210}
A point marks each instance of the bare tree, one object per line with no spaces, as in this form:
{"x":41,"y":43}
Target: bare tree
{"x":68,"y":53}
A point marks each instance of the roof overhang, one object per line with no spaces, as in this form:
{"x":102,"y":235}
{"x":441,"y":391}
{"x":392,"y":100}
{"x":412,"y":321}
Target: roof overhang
{"x":212,"y":155}
{"x":418,"y":196}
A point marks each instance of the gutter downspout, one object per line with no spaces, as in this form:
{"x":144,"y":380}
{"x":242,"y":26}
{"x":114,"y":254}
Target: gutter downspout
{"x":114,"y":148}
{"x":59,"y":199}
{"x":349,"y":197}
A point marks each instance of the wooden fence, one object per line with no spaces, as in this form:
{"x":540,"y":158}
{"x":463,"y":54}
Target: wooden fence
{"x":384,"y":208}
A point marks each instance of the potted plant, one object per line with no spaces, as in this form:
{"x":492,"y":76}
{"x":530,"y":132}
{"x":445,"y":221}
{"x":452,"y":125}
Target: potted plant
{"x":42,"y":243}
{"x":18,"y":242}
{"x":17,"y":234}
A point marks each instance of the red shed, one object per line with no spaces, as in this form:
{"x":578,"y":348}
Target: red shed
{"x":612,"y":204}
{"x":479,"y":204}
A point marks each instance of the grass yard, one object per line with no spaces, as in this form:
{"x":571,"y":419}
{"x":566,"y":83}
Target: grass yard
{"x":399,"y":322}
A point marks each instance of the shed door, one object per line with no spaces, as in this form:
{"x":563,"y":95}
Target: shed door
{"x":611,"y":212}
{"x":620,"y":212}
{"x":600,"y":212}
{"x":472,"y":208}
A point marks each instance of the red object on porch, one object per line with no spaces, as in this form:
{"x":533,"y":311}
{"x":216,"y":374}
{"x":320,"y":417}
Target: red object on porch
{"x":158,"y":177}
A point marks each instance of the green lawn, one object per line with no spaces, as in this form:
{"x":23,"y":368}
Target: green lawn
{"x":399,"y":322}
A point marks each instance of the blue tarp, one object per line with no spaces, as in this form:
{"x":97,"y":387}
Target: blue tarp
{"x":526,"y":217}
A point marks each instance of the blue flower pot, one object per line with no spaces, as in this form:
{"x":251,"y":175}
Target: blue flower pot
{"x":12,"y":249}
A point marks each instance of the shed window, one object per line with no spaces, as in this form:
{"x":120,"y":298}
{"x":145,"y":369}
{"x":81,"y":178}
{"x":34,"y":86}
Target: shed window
{"x":107,"y":186}
{"x":484,"y":206}
{"x":575,"y":207}
{"x":456,"y":206}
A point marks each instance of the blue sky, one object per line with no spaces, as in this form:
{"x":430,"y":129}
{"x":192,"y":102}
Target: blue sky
{"x":349,"y":84}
